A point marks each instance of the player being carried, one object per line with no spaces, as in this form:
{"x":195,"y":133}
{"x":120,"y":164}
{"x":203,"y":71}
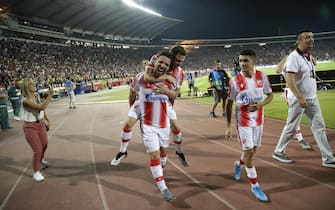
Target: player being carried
{"x":174,"y":75}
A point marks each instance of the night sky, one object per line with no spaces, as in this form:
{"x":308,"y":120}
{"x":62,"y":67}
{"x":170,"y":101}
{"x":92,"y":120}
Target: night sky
{"x":222,"y":19}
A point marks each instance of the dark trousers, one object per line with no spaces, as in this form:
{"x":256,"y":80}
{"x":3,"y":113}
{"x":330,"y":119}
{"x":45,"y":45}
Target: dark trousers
{"x":16,"y":106}
{"x":4,"y":117}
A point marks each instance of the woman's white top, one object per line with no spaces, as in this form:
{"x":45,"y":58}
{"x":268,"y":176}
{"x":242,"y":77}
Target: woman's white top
{"x":31,"y":115}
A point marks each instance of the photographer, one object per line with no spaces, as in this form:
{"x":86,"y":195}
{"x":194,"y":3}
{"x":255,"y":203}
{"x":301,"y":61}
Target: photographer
{"x":36,"y":124}
{"x":218,"y":79}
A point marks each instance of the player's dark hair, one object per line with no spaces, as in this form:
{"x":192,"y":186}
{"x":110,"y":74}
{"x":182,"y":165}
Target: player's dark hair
{"x":164,"y":53}
{"x":301,"y":32}
{"x":248,"y":53}
{"x":177,"y":50}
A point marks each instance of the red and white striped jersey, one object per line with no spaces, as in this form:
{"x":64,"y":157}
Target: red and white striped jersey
{"x":135,"y":81}
{"x":179,"y":74}
{"x":153,"y":106}
{"x":247,"y":91}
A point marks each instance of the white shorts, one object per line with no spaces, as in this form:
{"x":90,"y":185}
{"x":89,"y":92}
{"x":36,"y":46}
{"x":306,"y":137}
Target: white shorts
{"x":72,"y":97}
{"x":154,"y":137}
{"x":135,"y":111}
{"x":250,"y":137}
{"x":171,"y":113}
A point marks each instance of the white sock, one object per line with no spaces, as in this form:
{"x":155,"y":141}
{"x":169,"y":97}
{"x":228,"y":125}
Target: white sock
{"x":252,"y":175}
{"x":126,"y":135}
{"x":163,"y":160}
{"x":177,"y":140}
{"x":157,"y":173}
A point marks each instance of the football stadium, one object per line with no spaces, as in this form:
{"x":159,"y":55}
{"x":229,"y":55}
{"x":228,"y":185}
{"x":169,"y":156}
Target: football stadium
{"x":212,"y":107}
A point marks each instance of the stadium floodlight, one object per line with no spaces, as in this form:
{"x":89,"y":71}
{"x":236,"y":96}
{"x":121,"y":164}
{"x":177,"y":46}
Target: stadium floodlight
{"x":133,"y":4}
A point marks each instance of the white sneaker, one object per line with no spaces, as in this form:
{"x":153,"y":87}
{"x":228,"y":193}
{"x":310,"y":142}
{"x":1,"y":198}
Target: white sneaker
{"x":38,"y":176}
{"x":117,"y":159}
{"x":17,"y":118}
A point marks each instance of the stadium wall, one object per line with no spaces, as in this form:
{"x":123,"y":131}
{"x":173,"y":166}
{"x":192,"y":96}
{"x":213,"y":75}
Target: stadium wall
{"x":325,"y":79}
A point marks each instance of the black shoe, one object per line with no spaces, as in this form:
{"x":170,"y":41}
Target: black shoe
{"x":305,"y":145}
{"x":182,"y":158}
{"x":212,"y":114}
{"x":282,"y":157}
{"x":121,"y":155}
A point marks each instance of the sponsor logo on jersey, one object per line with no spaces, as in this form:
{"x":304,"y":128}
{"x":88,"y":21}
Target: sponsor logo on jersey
{"x":152,"y":97}
{"x":246,"y":99}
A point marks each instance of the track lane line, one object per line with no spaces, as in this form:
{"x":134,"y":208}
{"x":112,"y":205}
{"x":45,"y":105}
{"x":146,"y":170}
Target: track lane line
{"x":10,"y":193}
{"x":97,"y":177}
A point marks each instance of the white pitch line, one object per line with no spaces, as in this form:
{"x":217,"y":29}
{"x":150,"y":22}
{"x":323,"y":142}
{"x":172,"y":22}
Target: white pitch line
{"x":9,"y":195}
{"x":14,"y":186}
{"x":100,"y":188}
{"x":25,"y":169}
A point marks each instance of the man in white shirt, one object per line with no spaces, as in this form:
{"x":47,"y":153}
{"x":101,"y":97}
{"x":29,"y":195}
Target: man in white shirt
{"x":301,"y":81}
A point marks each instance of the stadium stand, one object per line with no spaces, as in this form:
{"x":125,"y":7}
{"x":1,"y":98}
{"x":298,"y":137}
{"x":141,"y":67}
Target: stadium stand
{"x":54,"y":39}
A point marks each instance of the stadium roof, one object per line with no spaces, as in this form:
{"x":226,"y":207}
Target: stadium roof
{"x":105,"y":17}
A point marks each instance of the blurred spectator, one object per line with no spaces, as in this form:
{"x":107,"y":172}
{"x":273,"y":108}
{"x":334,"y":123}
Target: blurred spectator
{"x":4,"y":122}
{"x":190,"y":81}
{"x":236,"y":70}
{"x":70,"y":92}
{"x":14,"y":99}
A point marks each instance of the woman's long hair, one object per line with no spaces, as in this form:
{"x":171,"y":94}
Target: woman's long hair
{"x":26,"y":95}
{"x":25,"y":88}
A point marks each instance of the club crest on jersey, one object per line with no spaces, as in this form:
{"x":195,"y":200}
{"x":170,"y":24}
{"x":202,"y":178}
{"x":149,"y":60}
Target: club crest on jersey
{"x":259,"y":83}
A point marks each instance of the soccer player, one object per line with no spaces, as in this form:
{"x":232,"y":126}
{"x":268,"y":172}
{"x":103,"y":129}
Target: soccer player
{"x":248,"y":88}
{"x":154,"y":104}
{"x":175,"y":74}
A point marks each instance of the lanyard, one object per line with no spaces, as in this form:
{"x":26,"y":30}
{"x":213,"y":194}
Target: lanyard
{"x":310,"y":65}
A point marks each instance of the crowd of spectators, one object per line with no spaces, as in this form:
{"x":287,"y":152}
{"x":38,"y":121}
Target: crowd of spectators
{"x":269,"y":54}
{"x":20,"y":59}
